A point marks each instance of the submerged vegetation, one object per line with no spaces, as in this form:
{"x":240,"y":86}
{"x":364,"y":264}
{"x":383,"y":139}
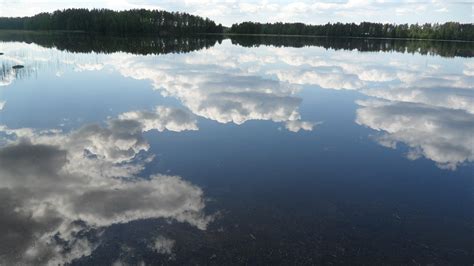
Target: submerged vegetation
{"x":446,"y":31}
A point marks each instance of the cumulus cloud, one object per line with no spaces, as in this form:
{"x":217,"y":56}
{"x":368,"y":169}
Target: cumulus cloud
{"x":210,"y":84}
{"x":57,"y":184}
{"x":425,"y":106}
{"x":331,"y":73}
{"x":216,"y":91}
{"x":2,"y":105}
{"x":369,"y":72}
{"x":314,"y":12}
{"x":163,"y":245}
{"x":468,"y":69}
{"x":263,"y":84}
{"x":440,"y":134}
{"x":88,"y":67}
{"x":296,"y":125}
{"x":324,"y":77}
{"x":431,"y":86}
{"x":447,"y":97}
{"x":163,"y":118}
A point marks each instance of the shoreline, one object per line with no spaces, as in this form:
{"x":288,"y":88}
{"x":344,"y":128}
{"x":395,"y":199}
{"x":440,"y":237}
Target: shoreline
{"x":231,"y":34}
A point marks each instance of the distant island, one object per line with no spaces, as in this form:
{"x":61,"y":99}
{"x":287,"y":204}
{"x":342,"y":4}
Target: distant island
{"x":161,"y":23}
{"x":105,"y":21}
{"x":446,"y":31}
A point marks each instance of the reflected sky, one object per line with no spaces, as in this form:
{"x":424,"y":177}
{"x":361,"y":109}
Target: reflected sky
{"x":230,"y":84}
{"x":51,"y":180}
{"x":91,"y":140}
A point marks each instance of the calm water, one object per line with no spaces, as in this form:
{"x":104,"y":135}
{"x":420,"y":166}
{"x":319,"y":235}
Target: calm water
{"x":243,"y":151}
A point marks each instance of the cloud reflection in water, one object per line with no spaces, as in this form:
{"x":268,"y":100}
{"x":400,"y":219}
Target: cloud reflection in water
{"x":55,"y":185}
{"x":52,"y":179}
{"x":440,"y":134}
{"x":218,"y":91}
{"x":425,"y":106}
{"x":231,"y":84}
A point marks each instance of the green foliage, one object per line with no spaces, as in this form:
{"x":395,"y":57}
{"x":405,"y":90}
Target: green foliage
{"x":156,"y":22}
{"x":446,"y":31}
{"x":136,"y":21}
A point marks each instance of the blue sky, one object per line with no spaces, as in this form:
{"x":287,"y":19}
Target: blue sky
{"x":315,"y":12}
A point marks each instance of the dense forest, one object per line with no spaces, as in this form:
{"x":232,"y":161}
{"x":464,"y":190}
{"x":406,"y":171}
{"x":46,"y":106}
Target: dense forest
{"x":136,"y":21}
{"x":446,"y":31}
{"x":158,"y":22}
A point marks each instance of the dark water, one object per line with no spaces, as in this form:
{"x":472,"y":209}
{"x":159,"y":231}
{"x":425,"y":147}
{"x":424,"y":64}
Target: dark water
{"x":222,"y":151}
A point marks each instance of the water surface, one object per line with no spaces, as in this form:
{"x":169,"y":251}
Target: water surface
{"x":235,"y":151}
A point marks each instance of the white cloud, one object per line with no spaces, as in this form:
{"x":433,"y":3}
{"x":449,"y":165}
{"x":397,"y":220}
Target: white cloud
{"x":325,"y":77}
{"x":51,"y":180}
{"x":163,"y":245}
{"x":231,"y":11}
{"x":210,"y":84}
{"x":296,"y":125}
{"x":263,"y":84}
{"x":443,"y":10}
{"x":439,"y":134}
{"x":249,"y":8}
{"x":469,"y":69}
{"x":425,"y":106}
{"x":216,"y":89}
{"x":88,"y":67}
{"x":163,"y":118}
{"x":447,"y":97}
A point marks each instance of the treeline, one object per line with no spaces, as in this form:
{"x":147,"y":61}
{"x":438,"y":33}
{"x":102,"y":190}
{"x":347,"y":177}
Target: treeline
{"x":104,"y":21}
{"x":446,"y":31}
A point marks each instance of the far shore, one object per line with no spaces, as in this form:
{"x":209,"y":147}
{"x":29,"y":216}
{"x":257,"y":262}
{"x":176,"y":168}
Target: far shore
{"x":229,"y":34}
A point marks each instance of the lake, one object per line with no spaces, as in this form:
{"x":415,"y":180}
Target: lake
{"x":236,"y":150}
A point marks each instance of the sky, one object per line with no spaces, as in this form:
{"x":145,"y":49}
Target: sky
{"x":306,"y":11}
